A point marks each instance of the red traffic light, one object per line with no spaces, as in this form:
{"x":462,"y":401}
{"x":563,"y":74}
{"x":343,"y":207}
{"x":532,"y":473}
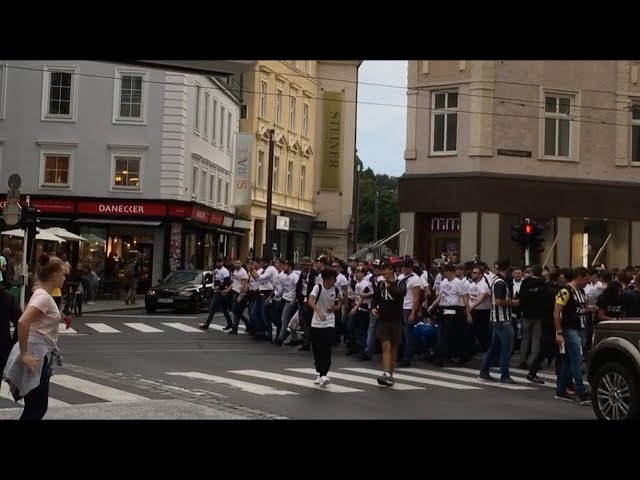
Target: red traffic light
{"x":528,"y":229}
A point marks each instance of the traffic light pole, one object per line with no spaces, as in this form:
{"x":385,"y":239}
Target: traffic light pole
{"x":25,"y":256}
{"x":527,"y":256}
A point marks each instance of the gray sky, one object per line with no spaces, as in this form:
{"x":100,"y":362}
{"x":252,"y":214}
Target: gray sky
{"x":382,"y":129}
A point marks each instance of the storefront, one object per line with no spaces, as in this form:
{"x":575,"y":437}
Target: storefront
{"x":164,"y":236}
{"x":292,"y":236}
{"x":474,"y":215}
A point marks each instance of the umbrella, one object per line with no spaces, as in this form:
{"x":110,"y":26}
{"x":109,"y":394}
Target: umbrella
{"x":41,"y":235}
{"x":64,"y":233}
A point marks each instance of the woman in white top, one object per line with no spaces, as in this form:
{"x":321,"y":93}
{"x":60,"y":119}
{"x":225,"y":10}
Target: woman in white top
{"x":30,"y":364}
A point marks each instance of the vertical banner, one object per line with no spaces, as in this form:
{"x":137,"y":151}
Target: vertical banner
{"x":175,"y":252}
{"x":242,"y":169}
{"x":332,"y":141}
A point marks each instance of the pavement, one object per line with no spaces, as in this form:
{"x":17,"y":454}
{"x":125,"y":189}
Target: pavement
{"x":132,"y":365}
{"x":107,"y":305}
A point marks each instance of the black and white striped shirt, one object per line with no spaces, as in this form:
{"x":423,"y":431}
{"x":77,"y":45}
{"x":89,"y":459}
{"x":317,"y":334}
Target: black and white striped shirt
{"x":500,"y":291}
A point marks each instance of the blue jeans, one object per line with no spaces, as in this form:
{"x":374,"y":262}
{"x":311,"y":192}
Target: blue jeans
{"x":409,"y":337}
{"x":572,"y":362}
{"x":371,"y":335}
{"x":287,"y":314}
{"x":255,"y":315}
{"x":501,"y":345}
{"x":266,"y":319}
{"x":358,"y":329}
{"x":219,"y":303}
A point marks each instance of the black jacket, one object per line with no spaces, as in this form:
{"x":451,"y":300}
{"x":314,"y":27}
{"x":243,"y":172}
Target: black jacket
{"x":389,"y":300}
{"x":300,"y":295}
{"x":9,"y":313}
{"x":532,"y":295}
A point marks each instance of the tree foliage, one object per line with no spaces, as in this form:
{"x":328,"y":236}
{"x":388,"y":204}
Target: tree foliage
{"x":388,"y":215}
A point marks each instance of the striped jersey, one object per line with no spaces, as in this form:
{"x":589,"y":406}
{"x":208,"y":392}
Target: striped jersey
{"x":500,"y":291}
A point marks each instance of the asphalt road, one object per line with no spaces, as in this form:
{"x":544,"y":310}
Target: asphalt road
{"x":134,"y":363}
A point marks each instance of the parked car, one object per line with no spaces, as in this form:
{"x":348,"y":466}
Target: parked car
{"x":191,"y":290}
{"x":613,"y":370}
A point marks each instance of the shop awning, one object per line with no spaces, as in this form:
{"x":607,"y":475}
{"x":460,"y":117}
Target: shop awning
{"x":41,"y":235}
{"x":64,"y":233}
{"x":118,"y":222}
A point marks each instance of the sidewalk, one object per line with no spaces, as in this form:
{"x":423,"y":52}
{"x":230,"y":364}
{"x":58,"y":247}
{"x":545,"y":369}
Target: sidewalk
{"x":102,"y":305}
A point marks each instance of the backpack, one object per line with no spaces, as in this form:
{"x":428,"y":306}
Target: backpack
{"x":322,"y":288}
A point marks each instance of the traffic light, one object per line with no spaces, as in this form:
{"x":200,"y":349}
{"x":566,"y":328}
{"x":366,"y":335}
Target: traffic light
{"x":30,"y":222}
{"x":529,"y":235}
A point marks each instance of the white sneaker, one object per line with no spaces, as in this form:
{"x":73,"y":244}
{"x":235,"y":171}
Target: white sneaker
{"x":318,"y":381}
{"x":324,"y":381}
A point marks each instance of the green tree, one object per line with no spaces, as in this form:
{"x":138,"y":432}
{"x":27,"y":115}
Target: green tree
{"x":388,"y":215}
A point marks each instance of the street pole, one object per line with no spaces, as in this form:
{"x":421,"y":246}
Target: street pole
{"x":375,"y":221}
{"x":527,"y":253}
{"x":268,"y":235}
{"x":25,"y":256}
{"x":356,"y":227}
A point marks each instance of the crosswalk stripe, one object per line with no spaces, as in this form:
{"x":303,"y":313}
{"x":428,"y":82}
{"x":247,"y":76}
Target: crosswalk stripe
{"x":515,"y":377}
{"x":461,"y":378}
{"x":102,"y":328}
{"x":144,"y":328}
{"x":182,"y":327}
{"x":5,"y":393}
{"x":96,"y":390}
{"x":354,"y":378}
{"x":63,"y":330}
{"x":545,"y":376}
{"x":239,"y":384}
{"x":408,"y":378}
{"x":300,"y":382}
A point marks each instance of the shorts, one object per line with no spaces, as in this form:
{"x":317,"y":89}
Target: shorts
{"x":390,"y":332}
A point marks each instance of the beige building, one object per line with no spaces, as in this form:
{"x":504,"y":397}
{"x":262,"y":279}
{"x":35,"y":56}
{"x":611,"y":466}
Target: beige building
{"x":490,"y":143}
{"x":311,"y":107}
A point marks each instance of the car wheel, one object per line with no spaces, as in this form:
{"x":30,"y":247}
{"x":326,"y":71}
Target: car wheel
{"x":150,"y":309}
{"x":196,"y":305}
{"x":615,"y":392}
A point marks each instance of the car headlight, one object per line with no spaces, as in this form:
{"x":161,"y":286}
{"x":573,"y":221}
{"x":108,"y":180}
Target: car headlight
{"x":185,"y":293}
{"x":151,"y":292}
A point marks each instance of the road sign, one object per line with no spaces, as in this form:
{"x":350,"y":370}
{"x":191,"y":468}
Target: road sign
{"x":12,"y":214}
{"x":14,"y":182}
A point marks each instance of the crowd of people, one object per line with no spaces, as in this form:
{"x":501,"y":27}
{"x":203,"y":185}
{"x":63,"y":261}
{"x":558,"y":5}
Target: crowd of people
{"x":449,"y":313}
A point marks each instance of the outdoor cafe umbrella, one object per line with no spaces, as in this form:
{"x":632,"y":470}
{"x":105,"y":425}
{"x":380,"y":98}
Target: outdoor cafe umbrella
{"x":64,"y":233}
{"x":41,"y":235}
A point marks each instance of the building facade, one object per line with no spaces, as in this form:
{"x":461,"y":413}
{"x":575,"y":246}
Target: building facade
{"x":281,"y":96}
{"x":490,"y":143}
{"x":134,"y":159}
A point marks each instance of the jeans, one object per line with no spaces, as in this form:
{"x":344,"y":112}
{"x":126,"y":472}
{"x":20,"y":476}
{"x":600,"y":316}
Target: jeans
{"x":571,"y":367}
{"x":275,"y":314}
{"x":322,"y":340}
{"x":409,"y":337}
{"x":36,"y":401}
{"x":482,"y":328}
{"x":264,"y":313}
{"x":288,"y":312}
{"x":531,"y":333}
{"x":358,"y":328}
{"x":237,"y":308}
{"x":501,"y":346}
{"x":371,"y":335}
{"x":219,"y":302}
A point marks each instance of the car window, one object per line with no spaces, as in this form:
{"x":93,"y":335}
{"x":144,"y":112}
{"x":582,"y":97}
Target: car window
{"x":184,"y":277}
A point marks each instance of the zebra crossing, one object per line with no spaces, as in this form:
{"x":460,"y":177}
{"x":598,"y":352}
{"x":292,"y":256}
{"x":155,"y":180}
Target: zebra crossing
{"x":92,"y":328}
{"x":69,"y":390}
{"x":294,"y":381}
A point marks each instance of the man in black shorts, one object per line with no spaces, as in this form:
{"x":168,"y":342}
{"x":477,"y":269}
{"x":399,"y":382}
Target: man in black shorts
{"x":388,"y":297}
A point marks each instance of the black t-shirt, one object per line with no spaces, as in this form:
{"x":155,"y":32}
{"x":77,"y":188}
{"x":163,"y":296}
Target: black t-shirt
{"x":611,"y":307}
{"x":574,"y":307}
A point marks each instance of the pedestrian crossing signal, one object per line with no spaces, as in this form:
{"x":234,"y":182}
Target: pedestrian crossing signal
{"x":528,"y":235}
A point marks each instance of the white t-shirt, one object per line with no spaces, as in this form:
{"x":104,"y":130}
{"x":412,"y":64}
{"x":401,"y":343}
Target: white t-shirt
{"x":253,"y":283}
{"x":475,"y":290}
{"x":324,"y":300}
{"x":516,"y":287}
{"x":238,"y":276}
{"x":436,"y":283}
{"x":267,"y":278}
{"x":278,"y":286}
{"x":48,"y":317}
{"x":341,"y":281}
{"x":412,"y":282}
{"x":289,"y":286}
{"x":364,"y":286}
{"x":221,"y":274}
{"x":452,"y":292}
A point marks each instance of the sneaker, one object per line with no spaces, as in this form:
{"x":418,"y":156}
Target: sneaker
{"x":228,"y":327}
{"x":232,"y":332}
{"x":508,"y":380}
{"x":324,"y":381}
{"x":203,"y":327}
{"x":564,"y":396}
{"x":585,"y":398}
{"x":535,"y":379}
{"x":486,"y":376}
{"x":385,"y":380}
{"x":571,"y":391}
{"x":318,"y":381}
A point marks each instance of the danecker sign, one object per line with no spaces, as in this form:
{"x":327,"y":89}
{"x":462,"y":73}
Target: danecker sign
{"x":123,"y":209}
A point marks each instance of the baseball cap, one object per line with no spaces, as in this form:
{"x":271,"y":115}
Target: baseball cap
{"x":376,"y":263}
{"x":306,"y":261}
{"x":359,"y":268}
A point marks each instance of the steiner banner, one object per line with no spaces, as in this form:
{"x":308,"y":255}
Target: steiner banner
{"x":242,"y":169}
{"x":332,"y":141}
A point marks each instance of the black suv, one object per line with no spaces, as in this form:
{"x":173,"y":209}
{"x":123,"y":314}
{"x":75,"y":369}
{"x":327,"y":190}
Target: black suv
{"x":613,"y":370}
{"x":184,"y":289}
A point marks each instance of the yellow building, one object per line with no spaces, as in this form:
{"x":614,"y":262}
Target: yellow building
{"x":281,"y":95}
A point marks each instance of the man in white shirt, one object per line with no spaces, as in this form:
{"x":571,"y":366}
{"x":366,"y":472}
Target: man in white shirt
{"x":343,"y":286}
{"x":220,"y":300}
{"x":325,"y":299}
{"x":410,"y":307}
{"x":239,"y":290}
{"x":359,"y":314}
{"x":274,"y":303}
{"x":453,"y":304}
{"x":289,"y":301}
{"x":266,"y":284}
{"x":480,"y":306}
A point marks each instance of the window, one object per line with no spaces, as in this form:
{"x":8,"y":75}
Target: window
{"x":229,"y":120}
{"x":56,"y":170}
{"x":263,"y":99}
{"x":303,"y":175}
{"x":226,"y":193}
{"x":212,"y":179}
{"x":292,"y":113}
{"x":203,"y":185}
{"x":222,"y":119}
{"x":635,"y":134}
{"x":60,"y":86}
{"x":279,"y":106}
{"x":131,"y":96}
{"x":305,"y":119}
{"x":289,"y":177}
{"x":206,"y":115}
{"x":557,"y":126}
{"x":276,"y":165}
{"x":260,"y":171}
{"x":198,"y":97}
{"x":219,"y":190}
{"x":444,"y":122}
{"x":214,"y":134}
{"x":127,"y":173}
{"x":3,"y":84}
{"x":194,"y":181}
